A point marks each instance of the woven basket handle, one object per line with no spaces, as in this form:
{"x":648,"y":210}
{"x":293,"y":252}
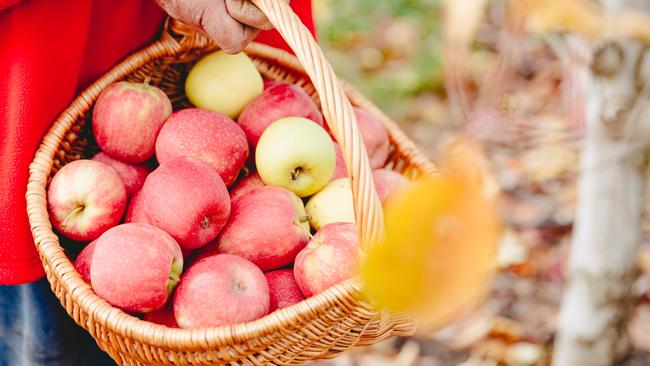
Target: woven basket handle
{"x":336,"y":107}
{"x":337,"y":111}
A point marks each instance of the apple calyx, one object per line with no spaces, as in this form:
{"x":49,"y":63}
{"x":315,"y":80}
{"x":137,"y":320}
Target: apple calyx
{"x":237,"y":287}
{"x":77,"y":210}
{"x":205,"y":223}
{"x":295,"y":173}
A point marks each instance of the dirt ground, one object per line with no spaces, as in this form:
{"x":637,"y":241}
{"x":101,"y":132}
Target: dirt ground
{"x":528,"y":117}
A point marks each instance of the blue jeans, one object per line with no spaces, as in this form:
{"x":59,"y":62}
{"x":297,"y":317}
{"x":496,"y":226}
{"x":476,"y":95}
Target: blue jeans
{"x":35,"y":330}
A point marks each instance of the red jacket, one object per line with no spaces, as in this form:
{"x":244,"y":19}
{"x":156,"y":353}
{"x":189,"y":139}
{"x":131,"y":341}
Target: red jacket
{"x":49,"y":51}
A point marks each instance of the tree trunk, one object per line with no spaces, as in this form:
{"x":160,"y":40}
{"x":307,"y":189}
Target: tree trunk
{"x":592,"y":327}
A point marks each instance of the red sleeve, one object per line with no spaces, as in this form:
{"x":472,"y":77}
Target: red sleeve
{"x":49,"y":50}
{"x":5,"y":4}
{"x":303,"y":9}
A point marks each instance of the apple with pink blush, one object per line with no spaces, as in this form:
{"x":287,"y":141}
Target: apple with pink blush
{"x":276,"y":102}
{"x":220,"y":290}
{"x":375,"y":137}
{"x":330,"y":257}
{"x":127,"y":118}
{"x":209,"y":136}
{"x":135,"y":209}
{"x":135,"y":267}
{"x":85,"y":198}
{"x":84,"y":260}
{"x":283,"y":289}
{"x":340,"y":170}
{"x":246,"y":185}
{"x":163,"y":316}
{"x":268,"y":226}
{"x":133,"y":175}
{"x":186,"y":198}
{"x":388,"y":183}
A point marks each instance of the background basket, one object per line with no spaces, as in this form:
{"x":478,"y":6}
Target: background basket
{"x":319,"y":327}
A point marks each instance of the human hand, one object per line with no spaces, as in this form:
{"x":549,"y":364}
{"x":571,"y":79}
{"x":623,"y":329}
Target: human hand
{"x":232,"y":24}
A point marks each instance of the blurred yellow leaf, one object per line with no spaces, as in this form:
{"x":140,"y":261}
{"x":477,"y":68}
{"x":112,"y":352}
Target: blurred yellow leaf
{"x":439,"y":248}
{"x":583,"y":17}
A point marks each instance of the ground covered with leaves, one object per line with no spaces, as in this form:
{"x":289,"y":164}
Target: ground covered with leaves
{"x":528,"y":116}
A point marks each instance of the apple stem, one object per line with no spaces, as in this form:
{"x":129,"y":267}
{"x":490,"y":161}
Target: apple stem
{"x":72,"y":213}
{"x":146,"y":81}
{"x":304,"y":218}
{"x":295,"y":173}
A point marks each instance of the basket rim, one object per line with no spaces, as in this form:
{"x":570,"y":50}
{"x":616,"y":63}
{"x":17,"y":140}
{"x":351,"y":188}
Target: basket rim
{"x":116,"y":320}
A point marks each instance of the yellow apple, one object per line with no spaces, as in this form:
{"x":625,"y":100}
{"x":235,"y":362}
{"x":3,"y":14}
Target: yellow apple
{"x":223,"y":83}
{"x":332,"y":204}
{"x":297,"y":154}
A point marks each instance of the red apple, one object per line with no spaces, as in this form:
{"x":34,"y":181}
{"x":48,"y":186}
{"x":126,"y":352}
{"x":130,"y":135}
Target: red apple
{"x":164,"y":316}
{"x":375,"y":137}
{"x":387,"y":183}
{"x":276,"y":102}
{"x":135,"y":267}
{"x":186,"y":198}
{"x":268,"y":227}
{"x":133,"y":175}
{"x":127,"y":118}
{"x":220,"y":290}
{"x":206,"y":135}
{"x":330,"y":257}
{"x":135,"y":210}
{"x":283,"y":289}
{"x":86,"y":198}
{"x":340,"y":170}
{"x":246,"y":185}
{"x":84,"y":260}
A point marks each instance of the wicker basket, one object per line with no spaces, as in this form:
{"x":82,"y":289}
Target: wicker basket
{"x":319,"y":327}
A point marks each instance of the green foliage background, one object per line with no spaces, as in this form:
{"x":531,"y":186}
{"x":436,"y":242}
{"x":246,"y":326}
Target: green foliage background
{"x":389,"y":49}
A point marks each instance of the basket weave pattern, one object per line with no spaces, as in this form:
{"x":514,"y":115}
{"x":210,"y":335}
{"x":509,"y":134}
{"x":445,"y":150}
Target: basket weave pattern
{"x":319,"y":327}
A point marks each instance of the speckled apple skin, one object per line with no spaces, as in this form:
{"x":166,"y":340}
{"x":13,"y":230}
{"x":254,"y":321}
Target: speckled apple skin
{"x":206,"y":135}
{"x":135,"y":209}
{"x":276,"y":102}
{"x":264,"y":228}
{"x":164,"y":316}
{"x":246,"y":185}
{"x":131,"y":266}
{"x":133,"y":175}
{"x":220,"y":290}
{"x":330,"y":257}
{"x":84,"y":261}
{"x":127,"y":118}
{"x":283,"y":289}
{"x":186,"y":198}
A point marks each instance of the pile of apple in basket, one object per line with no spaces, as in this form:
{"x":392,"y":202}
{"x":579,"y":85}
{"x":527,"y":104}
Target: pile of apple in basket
{"x":190,"y":243}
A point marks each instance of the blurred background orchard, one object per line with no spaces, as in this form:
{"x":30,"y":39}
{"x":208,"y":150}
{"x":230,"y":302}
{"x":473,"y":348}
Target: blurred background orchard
{"x":528,"y":115}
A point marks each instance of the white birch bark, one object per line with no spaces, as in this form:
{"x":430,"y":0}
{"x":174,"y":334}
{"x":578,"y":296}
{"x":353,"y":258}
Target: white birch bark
{"x":592,"y":328}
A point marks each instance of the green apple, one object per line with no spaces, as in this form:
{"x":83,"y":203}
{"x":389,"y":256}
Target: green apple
{"x":332,"y":204}
{"x":297,"y":154}
{"x":223,"y":83}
